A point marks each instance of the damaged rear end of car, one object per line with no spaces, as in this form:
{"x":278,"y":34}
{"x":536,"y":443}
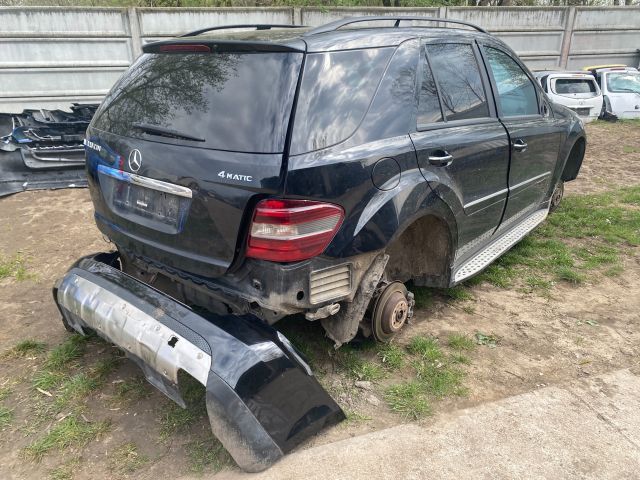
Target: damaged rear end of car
{"x":261,"y":396}
{"x":186,"y":161}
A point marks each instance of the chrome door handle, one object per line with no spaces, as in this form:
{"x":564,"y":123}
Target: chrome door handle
{"x":441,"y":161}
{"x":519,"y":145}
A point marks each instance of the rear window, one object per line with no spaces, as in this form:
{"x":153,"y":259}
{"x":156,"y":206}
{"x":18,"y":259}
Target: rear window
{"x":336,"y":91}
{"x":234,"y":101}
{"x":575,"y":85}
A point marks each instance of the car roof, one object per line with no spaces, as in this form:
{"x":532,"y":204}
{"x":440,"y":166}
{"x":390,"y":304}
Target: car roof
{"x":343,"y":38}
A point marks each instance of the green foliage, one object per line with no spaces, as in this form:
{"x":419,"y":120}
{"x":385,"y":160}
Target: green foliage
{"x":26,"y":347}
{"x":460,"y":342}
{"x":426,"y":347}
{"x":71,"y":349}
{"x":13,"y":267}
{"x":408,"y":400}
{"x":588,"y":233}
{"x":207,"y":456}
{"x":72,"y":431}
{"x":391,"y":356}
{"x":6,"y":416}
{"x":126,"y":459}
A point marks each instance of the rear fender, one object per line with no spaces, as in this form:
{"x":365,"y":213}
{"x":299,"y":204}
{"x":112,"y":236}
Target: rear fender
{"x":262,"y":398}
{"x":389,"y":213}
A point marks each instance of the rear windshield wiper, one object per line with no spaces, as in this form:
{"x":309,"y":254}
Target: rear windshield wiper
{"x":165,"y":132}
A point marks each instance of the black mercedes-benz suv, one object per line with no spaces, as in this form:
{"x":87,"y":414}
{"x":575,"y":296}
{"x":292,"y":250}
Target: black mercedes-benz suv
{"x":289,"y":170}
{"x":283,"y":170}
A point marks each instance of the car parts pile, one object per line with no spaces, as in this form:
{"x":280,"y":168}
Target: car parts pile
{"x":43,"y":149}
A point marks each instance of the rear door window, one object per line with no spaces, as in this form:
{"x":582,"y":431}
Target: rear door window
{"x":459,"y":81}
{"x":429,"y":110}
{"x":516,"y":93}
{"x":337,"y":89}
{"x":565,"y":86}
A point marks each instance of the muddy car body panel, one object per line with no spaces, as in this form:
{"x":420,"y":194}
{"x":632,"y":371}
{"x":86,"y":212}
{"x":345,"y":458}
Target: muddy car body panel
{"x":289,"y":171}
{"x":357,"y":119}
{"x":262,"y":398}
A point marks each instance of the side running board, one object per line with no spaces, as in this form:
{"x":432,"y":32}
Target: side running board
{"x":488,"y":254}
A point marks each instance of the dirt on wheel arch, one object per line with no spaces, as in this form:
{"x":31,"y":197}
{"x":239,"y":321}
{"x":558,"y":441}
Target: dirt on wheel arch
{"x":573,"y":332}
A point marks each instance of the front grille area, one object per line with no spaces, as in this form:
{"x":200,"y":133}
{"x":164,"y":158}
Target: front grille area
{"x":330,"y":283}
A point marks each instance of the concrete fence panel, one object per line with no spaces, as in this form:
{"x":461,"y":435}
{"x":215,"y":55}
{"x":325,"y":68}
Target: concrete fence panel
{"x":314,"y":17}
{"x":52,"y":56}
{"x":605,"y":35}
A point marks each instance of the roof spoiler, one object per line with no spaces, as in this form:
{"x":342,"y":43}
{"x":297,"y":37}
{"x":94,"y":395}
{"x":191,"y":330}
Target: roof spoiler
{"x":201,"y":45}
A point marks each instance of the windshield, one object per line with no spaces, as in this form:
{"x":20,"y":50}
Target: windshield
{"x":564,"y":86}
{"x":623,"y":82}
{"x":227,"y":101}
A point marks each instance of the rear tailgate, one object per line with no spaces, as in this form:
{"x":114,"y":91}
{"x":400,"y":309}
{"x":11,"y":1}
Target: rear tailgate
{"x":184,"y":145}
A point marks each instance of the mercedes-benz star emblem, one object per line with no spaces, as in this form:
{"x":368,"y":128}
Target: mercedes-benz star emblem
{"x":135,"y":160}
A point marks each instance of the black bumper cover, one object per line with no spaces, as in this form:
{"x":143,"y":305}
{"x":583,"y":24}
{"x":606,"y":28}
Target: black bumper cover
{"x":262,"y":398}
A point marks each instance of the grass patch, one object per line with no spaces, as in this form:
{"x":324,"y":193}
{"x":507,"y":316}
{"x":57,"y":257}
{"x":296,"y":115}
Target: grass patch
{"x":426,"y":347}
{"x":26,"y":347}
{"x":76,"y":387}
{"x":175,"y":419}
{"x":457,"y":293}
{"x":14,"y":267}
{"x":630,"y":149}
{"x":5,"y":392}
{"x":65,"y":471}
{"x":439,"y":379}
{"x":207,"y":456}
{"x":47,"y":380}
{"x":133,"y":390}
{"x":460,"y":342}
{"x":70,"y":432}
{"x":423,"y":296}
{"x":408,"y":400}
{"x":356,"y":417}
{"x":391,"y":356}
{"x":126,"y":459}
{"x":6,"y":417}
{"x":587,"y":234}
{"x":356,"y":367}
{"x":460,"y":359}
{"x":71,"y":349}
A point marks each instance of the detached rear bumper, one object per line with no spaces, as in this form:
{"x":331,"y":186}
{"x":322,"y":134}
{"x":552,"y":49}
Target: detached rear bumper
{"x":262,"y":398}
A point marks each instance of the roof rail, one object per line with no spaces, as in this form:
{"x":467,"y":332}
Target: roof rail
{"x":330,"y":27}
{"x":257,"y":26}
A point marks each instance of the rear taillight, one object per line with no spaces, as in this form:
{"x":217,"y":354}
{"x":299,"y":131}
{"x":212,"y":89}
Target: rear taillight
{"x":292,"y":230}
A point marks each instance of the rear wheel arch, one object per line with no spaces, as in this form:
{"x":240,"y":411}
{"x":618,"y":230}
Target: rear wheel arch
{"x":423,"y":252}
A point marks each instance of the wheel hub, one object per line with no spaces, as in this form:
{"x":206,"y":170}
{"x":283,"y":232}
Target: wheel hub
{"x":391,"y":311}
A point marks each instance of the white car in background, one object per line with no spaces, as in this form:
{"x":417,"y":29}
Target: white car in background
{"x":578,"y":91}
{"x":620,"y":87}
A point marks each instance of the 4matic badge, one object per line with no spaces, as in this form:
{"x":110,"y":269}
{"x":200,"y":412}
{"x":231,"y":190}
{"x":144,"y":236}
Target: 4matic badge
{"x":235,"y":176}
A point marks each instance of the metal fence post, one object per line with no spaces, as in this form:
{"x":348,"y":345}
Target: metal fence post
{"x":566,"y":37}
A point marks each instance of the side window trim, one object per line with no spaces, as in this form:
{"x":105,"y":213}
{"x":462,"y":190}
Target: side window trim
{"x":486,"y":85}
{"x":494,"y":86}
